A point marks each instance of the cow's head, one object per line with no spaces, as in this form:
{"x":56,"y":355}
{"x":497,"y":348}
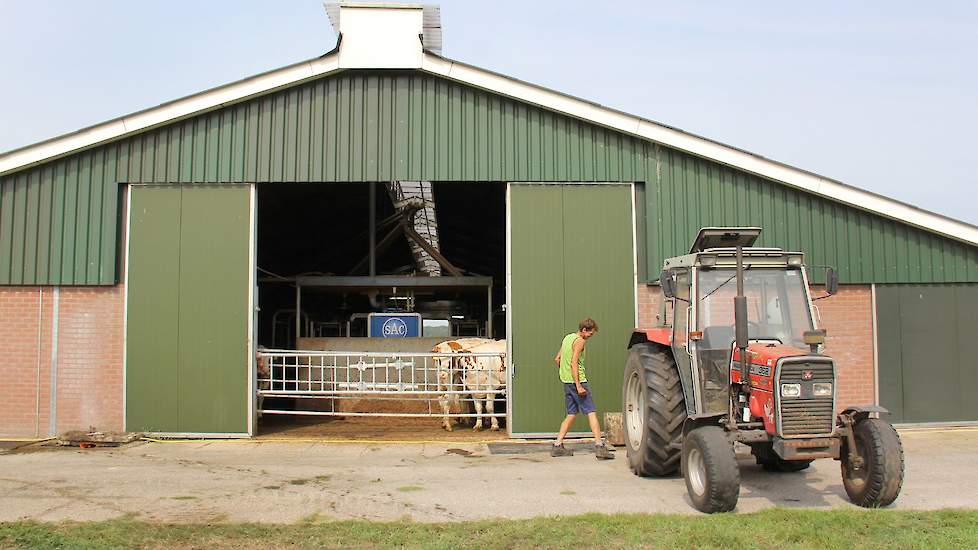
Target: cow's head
{"x":445,"y":364}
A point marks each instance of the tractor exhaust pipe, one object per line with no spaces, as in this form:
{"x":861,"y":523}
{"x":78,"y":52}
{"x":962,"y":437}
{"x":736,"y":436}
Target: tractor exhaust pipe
{"x":740,"y":315}
{"x":742,"y":338}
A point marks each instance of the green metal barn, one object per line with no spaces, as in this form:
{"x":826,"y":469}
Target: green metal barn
{"x":179,"y":224}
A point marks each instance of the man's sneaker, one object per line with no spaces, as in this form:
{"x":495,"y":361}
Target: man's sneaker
{"x":560,"y":450}
{"x":601,"y":452}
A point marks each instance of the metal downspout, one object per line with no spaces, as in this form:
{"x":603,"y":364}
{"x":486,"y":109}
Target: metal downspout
{"x":55,"y":311}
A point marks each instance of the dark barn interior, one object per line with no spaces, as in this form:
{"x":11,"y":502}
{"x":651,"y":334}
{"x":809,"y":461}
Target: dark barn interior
{"x":323,"y":230}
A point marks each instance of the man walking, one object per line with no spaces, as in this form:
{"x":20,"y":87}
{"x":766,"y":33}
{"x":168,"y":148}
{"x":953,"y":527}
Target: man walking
{"x":577,"y":393}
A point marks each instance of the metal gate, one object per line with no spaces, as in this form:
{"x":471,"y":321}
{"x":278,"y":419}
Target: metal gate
{"x":429,"y":384}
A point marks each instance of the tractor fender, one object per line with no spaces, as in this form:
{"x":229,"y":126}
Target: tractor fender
{"x":697,"y":420}
{"x":657,"y":335}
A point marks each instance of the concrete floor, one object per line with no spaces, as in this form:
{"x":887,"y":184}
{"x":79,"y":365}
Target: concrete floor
{"x":286,"y":481}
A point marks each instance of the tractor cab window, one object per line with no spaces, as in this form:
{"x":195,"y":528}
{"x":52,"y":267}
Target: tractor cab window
{"x":680,"y":304}
{"x":777,"y":305}
{"x":777,"y":310}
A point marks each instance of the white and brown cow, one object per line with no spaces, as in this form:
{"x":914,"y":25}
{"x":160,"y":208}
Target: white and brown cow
{"x":448,"y":372}
{"x":484,"y":378}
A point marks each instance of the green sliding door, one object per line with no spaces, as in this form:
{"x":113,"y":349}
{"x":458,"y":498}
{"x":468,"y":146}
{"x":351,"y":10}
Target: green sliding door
{"x":571,"y":256}
{"x":187,"y":356}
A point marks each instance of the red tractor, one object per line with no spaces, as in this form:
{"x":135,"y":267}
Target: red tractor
{"x":737,"y":359}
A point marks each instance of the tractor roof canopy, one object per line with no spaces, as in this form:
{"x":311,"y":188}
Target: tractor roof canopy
{"x":724,"y":237}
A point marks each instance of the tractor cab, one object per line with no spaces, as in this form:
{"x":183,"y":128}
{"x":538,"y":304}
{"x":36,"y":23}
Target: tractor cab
{"x":737,"y":357}
{"x":703,"y":286}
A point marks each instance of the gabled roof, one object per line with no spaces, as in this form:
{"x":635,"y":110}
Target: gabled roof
{"x":429,"y":62}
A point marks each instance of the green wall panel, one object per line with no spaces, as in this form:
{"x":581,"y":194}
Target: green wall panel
{"x":925,"y":340}
{"x":187,"y":330}
{"x":690,"y":193}
{"x":58,"y":221}
{"x":573,"y":259}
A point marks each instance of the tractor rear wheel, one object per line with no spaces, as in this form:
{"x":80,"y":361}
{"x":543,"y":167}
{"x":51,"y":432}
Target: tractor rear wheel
{"x":710,"y":469}
{"x":878,"y":481}
{"x":654,"y":411}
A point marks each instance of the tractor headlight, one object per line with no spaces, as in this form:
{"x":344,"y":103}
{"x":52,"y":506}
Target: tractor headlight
{"x":790,"y":390}
{"x":822,"y":389}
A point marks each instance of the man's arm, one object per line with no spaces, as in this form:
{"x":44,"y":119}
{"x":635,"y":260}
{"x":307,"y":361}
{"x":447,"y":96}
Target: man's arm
{"x":578,"y":348}
{"x":557,"y":358}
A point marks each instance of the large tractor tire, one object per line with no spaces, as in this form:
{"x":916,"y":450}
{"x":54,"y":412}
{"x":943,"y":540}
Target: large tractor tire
{"x":769,"y":460}
{"x":877,"y":483}
{"x":710,"y":469}
{"x":654,"y":411}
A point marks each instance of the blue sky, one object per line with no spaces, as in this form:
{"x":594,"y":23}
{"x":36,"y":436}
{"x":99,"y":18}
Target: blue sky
{"x":883,"y":95}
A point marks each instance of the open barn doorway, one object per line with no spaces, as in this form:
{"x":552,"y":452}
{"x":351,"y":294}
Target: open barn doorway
{"x":345,"y":335}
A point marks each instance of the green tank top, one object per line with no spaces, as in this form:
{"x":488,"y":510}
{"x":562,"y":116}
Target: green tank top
{"x":566,"y":354}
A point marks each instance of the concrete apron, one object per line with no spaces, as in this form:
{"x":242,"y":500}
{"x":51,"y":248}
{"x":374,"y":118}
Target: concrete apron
{"x":279,"y":481}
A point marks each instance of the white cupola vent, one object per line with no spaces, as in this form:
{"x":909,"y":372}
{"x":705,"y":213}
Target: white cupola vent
{"x":384,"y":36}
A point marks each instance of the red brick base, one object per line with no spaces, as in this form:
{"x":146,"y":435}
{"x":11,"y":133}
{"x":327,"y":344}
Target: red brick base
{"x":848,"y":320}
{"x":89,"y":359}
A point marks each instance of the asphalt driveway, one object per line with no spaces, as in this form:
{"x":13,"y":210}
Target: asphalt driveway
{"x":449,"y":481}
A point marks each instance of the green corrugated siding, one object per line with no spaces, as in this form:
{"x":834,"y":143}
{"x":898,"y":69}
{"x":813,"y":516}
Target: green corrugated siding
{"x":58,"y":221}
{"x":690,"y":193}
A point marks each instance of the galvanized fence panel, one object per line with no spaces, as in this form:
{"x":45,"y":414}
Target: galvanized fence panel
{"x":434,"y":381}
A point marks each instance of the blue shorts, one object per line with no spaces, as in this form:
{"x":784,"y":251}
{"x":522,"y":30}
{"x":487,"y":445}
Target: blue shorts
{"x":576,"y":403}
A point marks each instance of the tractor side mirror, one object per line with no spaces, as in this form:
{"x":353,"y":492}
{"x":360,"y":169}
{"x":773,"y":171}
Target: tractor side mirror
{"x":668,"y":284}
{"x":831,"y":281}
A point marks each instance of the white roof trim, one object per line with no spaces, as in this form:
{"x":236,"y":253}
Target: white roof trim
{"x":700,"y":146}
{"x":474,"y":76}
{"x":167,"y":112}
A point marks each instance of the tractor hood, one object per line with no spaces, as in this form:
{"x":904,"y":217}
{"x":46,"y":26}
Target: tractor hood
{"x":768,"y":354}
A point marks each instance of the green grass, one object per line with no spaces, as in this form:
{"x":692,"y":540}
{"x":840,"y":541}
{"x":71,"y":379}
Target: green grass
{"x":771,"y":529}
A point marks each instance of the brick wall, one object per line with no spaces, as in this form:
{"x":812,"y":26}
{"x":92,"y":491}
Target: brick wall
{"x":89,"y":359}
{"x":848,"y":320}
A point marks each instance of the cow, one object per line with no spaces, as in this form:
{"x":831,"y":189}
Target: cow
{"x":448,"y":367}
{"x":264,"y":375}
{"x":483,"y":378}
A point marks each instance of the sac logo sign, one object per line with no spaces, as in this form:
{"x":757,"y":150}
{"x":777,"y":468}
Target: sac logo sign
{"x":394,"y":328}
{"x":394,"y":325}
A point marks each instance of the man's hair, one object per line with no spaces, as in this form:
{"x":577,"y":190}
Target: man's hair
{"x":587,"y":323}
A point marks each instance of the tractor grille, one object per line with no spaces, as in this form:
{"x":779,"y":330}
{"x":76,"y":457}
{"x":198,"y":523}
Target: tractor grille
{"x":806,"y":415}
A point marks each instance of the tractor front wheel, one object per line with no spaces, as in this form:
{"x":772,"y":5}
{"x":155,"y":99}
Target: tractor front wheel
{"x":710,"y":468}
{"x":877,"y":481}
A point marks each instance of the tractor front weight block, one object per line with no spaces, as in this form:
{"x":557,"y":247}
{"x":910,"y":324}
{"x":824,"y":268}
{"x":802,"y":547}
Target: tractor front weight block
{"x":808,"y":449}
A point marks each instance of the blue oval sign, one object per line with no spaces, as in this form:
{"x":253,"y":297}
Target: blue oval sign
{"x":395,"y":328}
